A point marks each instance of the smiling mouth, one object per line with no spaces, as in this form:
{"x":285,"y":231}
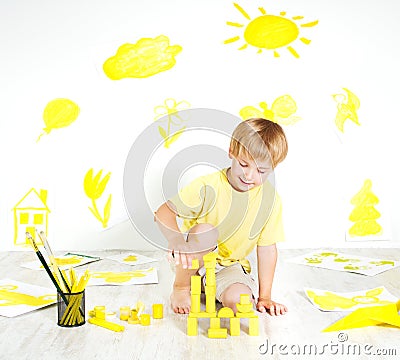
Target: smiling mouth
{"x":245,"y":182}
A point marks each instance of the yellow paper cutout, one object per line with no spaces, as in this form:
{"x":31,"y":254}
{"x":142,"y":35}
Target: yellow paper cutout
{"x":270,"y":32}
{"x":169,"y":112}
{"x":369,"y":316}
{"x":331,"y":301}
{"x":30,"y":212}
{"x":347,"y":107}
{"x":145,"y":58}
{"x":94,"y":187}
{"x":364,"y":214}
{"x":8,"y":297}
{"x":120,"y":277}
{"x":59,"y":113}
{"x":281,"y":112}
{"x":131,"y":258}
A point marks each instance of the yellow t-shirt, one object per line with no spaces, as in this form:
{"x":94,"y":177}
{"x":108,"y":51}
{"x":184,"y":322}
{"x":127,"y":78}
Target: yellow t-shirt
{"x":243,"y":219}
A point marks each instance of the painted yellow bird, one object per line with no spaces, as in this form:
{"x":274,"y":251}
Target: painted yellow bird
{"x":347,"y":106}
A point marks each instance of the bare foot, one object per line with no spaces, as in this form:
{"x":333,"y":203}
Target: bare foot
{"x":180,"y":300}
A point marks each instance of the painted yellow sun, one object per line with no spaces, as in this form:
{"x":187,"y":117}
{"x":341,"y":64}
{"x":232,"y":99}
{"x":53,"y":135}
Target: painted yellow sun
{"x":270,"y":32}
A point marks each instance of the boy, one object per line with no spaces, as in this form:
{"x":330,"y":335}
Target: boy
{"x":230,"y":211}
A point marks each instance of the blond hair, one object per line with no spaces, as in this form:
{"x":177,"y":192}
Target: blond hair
{"x":259,"y":139}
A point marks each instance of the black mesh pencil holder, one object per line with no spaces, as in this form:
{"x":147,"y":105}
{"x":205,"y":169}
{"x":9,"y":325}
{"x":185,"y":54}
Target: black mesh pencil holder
{"x":71,"y":309}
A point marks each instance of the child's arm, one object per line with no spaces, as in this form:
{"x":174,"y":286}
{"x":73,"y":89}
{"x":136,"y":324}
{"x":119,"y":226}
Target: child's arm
{"x":266,"y":260}
{"x":177,"y":247}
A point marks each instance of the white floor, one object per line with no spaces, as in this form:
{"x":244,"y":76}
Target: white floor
{"x":36,"y":335}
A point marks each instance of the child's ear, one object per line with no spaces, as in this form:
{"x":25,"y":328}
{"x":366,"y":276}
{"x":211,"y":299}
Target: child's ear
{"x":230,"y":154}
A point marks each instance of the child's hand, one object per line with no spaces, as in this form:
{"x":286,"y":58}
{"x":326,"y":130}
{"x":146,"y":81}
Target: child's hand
{"x":272,"y":307}
{"x":181,"y":254}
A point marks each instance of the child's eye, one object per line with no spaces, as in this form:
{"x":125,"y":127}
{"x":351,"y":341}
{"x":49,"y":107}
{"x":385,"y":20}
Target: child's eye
{"x":242,"y":165}
{"x":261,"y":172}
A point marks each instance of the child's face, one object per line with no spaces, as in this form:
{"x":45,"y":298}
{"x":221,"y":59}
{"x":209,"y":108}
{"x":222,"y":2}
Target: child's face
{"x":246,"y":174}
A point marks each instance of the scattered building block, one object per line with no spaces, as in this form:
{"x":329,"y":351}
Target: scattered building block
{"x":158,"y":311}
{"x":144,"y":319}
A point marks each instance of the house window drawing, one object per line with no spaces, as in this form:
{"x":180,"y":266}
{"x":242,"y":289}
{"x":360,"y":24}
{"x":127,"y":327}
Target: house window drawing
{"x":30,"y":212}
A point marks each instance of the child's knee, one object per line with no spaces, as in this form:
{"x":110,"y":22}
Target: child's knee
{"x":231,"y":295}
{"x":203,"y":237}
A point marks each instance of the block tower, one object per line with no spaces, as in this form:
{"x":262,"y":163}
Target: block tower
{"x":245,"y":307}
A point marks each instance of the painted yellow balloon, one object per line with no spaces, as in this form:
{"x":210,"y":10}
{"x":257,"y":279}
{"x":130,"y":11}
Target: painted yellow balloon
{"x":59,"y":113}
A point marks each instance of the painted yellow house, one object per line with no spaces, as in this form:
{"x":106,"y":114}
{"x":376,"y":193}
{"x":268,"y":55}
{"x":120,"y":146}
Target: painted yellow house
{"x":30,"y":212}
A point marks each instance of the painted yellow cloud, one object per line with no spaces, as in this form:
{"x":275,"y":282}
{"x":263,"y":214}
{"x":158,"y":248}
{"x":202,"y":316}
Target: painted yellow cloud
{"x":145,"y":58}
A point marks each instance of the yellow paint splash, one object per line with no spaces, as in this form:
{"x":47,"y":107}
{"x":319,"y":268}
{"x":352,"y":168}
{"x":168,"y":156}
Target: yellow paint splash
{"x":347,"y":107}
{"x":120,"y":277}
{"x":67,"y":261}
{"x":131,"y":258}
{"x":332,"y":301}
{"x":282,"y":111}
{"x":94,"y":187}
{"x":8,"y":297}
{"x":364,"y":214}
{"x":270,"y":32}
{"x":145,"y":58}
{"x":169,"y":113}
{"x":30,"y":213}
{"x":59,"y":113}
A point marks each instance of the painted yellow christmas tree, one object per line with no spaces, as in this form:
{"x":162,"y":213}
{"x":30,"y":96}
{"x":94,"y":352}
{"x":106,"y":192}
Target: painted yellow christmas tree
{"x":364,"y":214}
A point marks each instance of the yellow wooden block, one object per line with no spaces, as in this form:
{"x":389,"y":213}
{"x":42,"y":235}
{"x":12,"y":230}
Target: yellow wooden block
{"x":210,"y":290}
{"x":245,"y":299}
{"x":203,"y":314}
{"x":195,"y":264}
{"x":211,"y":256}
{"x":144,"y":319}
{"x":124,"y":313}
{"x":158,"y":312}
{"x":210,"y":277}
{"x":218,"y":333}
{"x":191,"y":326}
{"x":226,"y":312}
{"x":244,"y":308}
{"x":106,"y":324}
{"x":100,"y":311}
{"x":210,"y":304}
{"x":215,"y":323}
{"x":195,"y":284}
{"x":254,"y":327}
{"x":195,"y":301}
{"x":246,"y":315}
{"x":133,"y":321}
{"x":234,"y":326}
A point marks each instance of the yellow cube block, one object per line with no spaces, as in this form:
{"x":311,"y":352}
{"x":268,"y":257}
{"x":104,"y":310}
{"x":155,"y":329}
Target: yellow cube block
{"x":100,"y":312}
{"x":245,"y":299}
{"x":218,"y":333}
{"x":254,"y":327}
{"x":244,"y":308}
{"x":235,"y":326}
{"x":124,"y":313}
{"x":215,"y":323}
{"x":191,"y":326}
{"x":144,"y":319}
{"x":195,"y":303}
{"x":195,"y":264}
{"x":195,"y":285}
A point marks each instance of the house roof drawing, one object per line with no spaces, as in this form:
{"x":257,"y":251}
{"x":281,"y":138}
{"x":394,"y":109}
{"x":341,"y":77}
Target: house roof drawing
{"x":33,"y":200}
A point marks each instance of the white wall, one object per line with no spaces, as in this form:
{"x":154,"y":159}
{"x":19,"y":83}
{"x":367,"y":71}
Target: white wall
{"x":55,"y":49}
